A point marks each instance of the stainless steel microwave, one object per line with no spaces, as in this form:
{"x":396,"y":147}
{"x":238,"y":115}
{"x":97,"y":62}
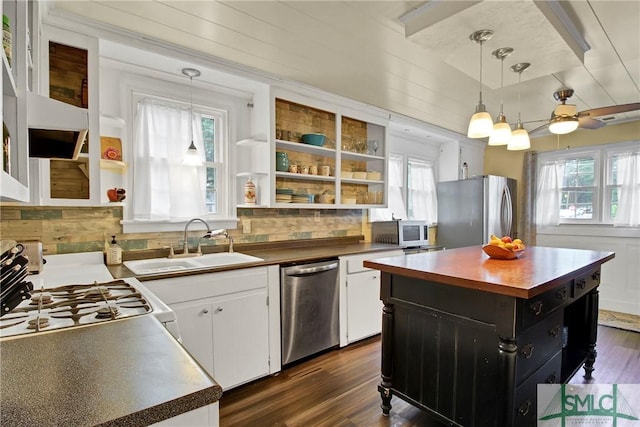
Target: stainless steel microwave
{"x":406,"y":233}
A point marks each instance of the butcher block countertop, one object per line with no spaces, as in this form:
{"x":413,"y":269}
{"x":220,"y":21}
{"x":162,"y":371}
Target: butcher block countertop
{"x":536,"y":271}
{"x":129,"y":372}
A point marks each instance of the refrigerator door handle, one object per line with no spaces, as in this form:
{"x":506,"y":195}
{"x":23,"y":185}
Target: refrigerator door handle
{"x":506,"y":210}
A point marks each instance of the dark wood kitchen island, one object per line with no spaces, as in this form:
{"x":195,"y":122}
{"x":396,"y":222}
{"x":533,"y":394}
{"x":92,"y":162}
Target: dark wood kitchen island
{"x":467,"y":338}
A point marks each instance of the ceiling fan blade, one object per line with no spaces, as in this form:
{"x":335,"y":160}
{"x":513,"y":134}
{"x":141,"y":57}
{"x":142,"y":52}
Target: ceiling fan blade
{"x":539,"y":129}
{"x":589,"y":123}
{"x":607,"y":111}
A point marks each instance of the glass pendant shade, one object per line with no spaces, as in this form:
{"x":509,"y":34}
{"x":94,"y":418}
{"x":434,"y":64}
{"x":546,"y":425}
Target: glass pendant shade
{"x":561,"y":125}
{"x":191,"y":158}
{"x":519,"y":139}
{"x":501,"y":134}
{"x":481,"y":123}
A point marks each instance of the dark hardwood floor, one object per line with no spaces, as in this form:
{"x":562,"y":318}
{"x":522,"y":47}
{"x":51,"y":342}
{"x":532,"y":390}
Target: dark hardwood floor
{"x":339,"y":388}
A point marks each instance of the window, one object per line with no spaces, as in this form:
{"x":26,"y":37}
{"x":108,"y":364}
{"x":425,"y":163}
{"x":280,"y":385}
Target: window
{"x":212,"y":141}
{"x":587,"y":185}
{"x":579,"y":187}
{"x":164,"y":188}
{"x":421,"y":191}
{"x":417,"y":187}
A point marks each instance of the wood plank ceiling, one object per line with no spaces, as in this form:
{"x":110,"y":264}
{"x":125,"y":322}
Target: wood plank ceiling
{"x":358,"y":49}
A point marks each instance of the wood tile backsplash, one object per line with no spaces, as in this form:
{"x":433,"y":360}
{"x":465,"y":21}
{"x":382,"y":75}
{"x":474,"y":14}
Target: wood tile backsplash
{"x":83,"y":229}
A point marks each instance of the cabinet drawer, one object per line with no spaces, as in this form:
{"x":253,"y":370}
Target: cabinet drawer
{"x":534,"y":309}
{"x":582,"y":285}
{"x":354,"y":262}
{"x":537,"y":344}
{"x":207,"y":285}
{"x":526,"y":396}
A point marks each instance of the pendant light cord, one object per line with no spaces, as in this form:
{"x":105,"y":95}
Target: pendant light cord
{"x":191,"y":108}
{"x":481,"y":71}
{"x":519,"y":93}
{"x":502,"y":86}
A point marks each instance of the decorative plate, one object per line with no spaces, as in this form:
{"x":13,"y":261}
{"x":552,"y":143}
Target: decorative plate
{"x":497,"y":252}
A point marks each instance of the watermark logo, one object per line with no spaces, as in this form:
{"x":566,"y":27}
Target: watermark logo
{"x":565,"y":405}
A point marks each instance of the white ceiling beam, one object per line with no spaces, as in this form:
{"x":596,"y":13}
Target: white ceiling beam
{"x":431,"y":13}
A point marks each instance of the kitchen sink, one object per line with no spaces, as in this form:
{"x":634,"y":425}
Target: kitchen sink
{"x":168,"y":265}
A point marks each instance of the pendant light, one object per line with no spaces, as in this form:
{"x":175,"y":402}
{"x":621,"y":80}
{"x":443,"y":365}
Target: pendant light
{"x":519,"y":137}
{"x":501,"y":134}
{"x":191,"y":158}
{"x":481,"y":124}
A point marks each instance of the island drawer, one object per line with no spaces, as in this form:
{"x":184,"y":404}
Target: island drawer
{"x":526,"y":395}
{"x":534,"y":309}
{"x":584,"y":284}
{"x":537,"y":344}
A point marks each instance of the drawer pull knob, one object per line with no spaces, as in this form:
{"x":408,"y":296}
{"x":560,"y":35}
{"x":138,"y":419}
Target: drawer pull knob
{"x":527,"y":351}
{"x":596,"y":275}
{"x":562,"y":293}
{"x":218,"y":310}
{"x":536,"y":308}
{"x":524,"y":408}
{"x":582,"y":284}
{"x":555,"y":331}
{"x":205,"y":310}
{"x":551,"y":379}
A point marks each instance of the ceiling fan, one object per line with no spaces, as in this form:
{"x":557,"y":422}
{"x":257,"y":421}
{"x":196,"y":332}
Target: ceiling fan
{"x":565,"y":118}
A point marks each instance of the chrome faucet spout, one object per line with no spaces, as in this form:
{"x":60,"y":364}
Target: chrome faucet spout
{"x":185,"y":247}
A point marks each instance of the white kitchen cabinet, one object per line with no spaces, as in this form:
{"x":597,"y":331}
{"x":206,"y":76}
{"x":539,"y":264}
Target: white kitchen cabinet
{"x":356,"y":172}
{"x":240,"y":338}
{"x":225,"y":321}
{"x":55,"y":182}
{"x":196,"y":330}
{"x":15,"y":80}
{"x":364,"y":313}
{"x":360,"y":305}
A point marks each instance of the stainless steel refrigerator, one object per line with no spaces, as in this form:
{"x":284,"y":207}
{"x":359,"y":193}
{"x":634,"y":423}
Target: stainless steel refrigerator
{"x":470,"y":210}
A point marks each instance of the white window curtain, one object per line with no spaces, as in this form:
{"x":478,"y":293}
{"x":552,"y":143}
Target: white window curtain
{"x":628,"y":213}
{"x":549,"y":193}
{"x":422,"y":191}
{"x":164,"y":188}
{"x":396,"y":208}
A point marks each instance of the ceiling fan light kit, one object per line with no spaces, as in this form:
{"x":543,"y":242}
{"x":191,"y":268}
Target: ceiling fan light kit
{"x":561,"y":125}
{"x":481,"y":124}
{"x":501,"y":133}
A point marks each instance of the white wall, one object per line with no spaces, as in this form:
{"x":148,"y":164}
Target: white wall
{"x":619,"y":284}
{"x":454,"y":154}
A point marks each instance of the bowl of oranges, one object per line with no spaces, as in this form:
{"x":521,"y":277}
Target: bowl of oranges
{"x":504,"y":248}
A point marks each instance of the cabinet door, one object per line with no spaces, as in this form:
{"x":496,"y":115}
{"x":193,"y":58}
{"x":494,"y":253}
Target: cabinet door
{"x":196,"y":331}
{"x":240,"y":338}
{"x":364,"y":311}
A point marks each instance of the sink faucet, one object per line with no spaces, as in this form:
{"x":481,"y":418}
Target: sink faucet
{"x":185,"y":246}
{"x":221,"y":232}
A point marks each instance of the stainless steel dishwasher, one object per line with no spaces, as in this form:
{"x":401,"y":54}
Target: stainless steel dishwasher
{"x":309,"y":309}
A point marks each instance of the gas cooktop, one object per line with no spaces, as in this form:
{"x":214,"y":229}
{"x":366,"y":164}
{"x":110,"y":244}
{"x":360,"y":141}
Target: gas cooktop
{"x":74,"y":305}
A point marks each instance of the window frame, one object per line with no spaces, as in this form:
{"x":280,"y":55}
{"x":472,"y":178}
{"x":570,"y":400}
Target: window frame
{"x":134,"y":85}
{"x":602,"y":172}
